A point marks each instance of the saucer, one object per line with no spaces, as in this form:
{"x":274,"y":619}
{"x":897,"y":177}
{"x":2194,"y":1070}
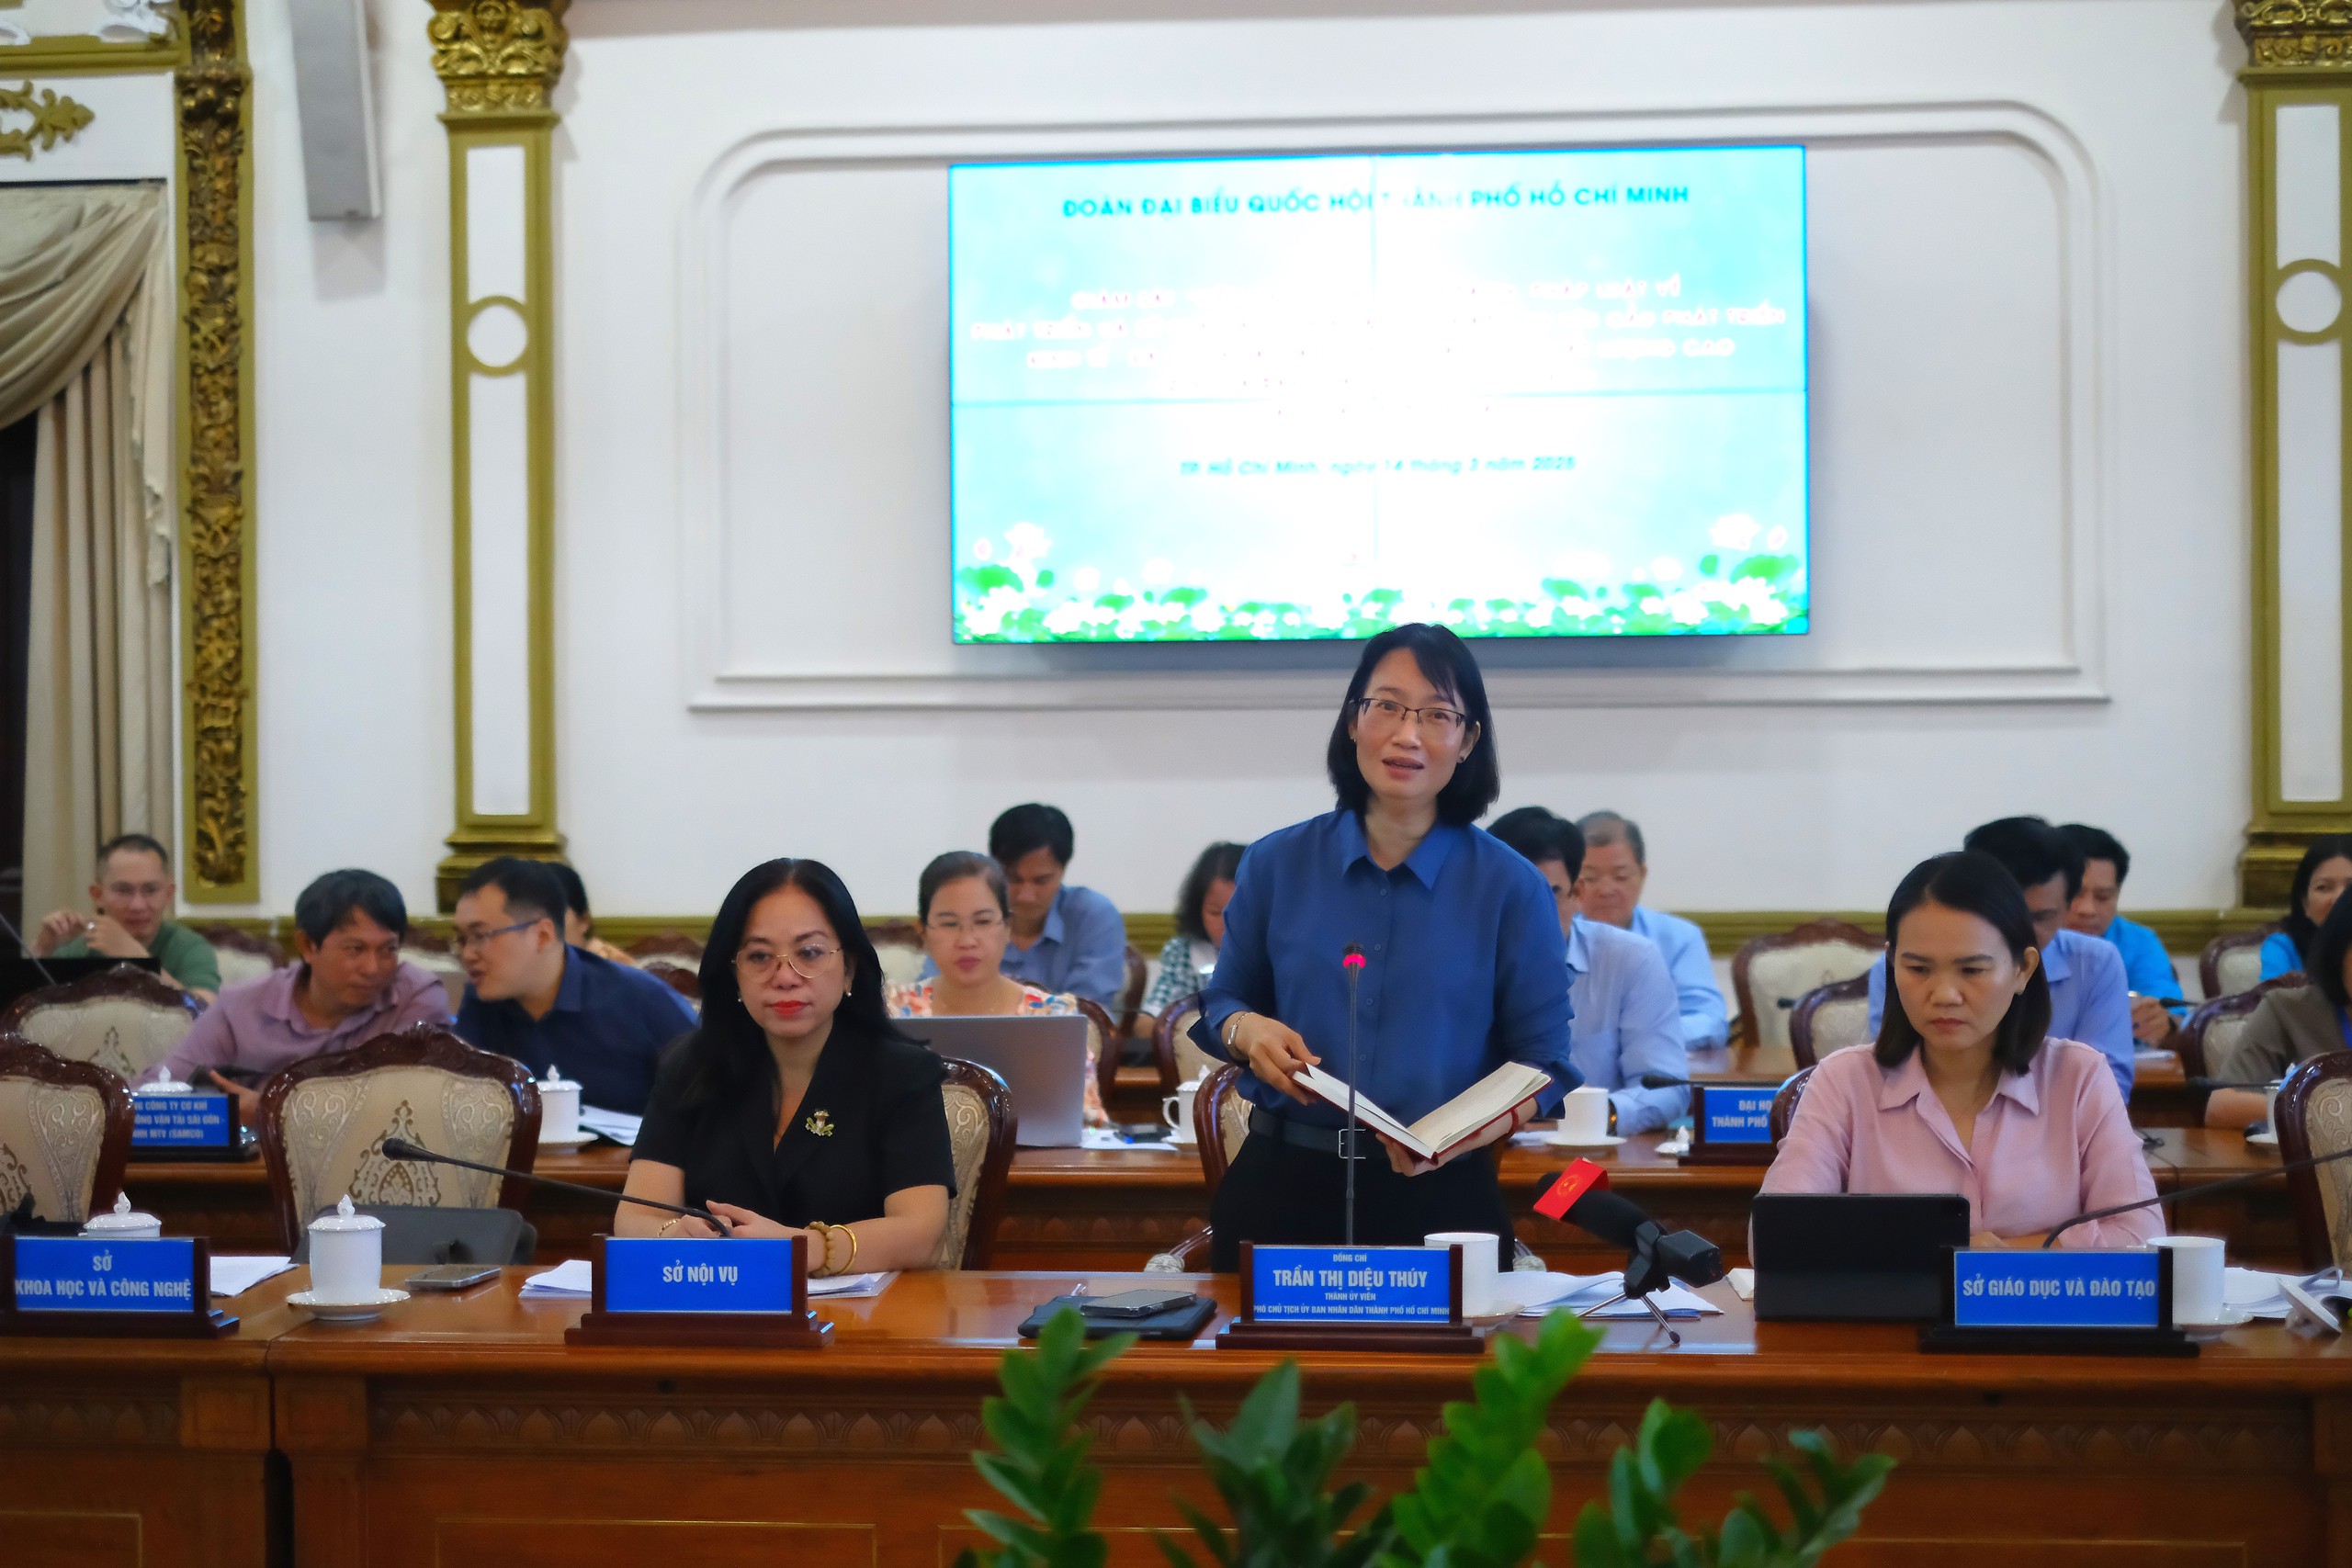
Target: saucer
{"x":2263,"y":1140}
{"x":584,"y":1136}
{"x":1555,"y":1141}
{"x":1175,"y":1142}
{"x":346,"y":1312}
{"x":2231,"y":1317}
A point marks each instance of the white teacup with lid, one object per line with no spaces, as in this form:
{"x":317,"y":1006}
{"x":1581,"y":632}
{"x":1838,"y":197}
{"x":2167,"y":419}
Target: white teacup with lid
{"x":125,"y":1223}
{"x":347,"y":1257}
{"x":558,"y":1108}
{"x":165,"y":1084}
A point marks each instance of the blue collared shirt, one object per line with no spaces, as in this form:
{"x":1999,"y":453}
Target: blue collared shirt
{"x":607,"y":1031}
{"x":2147,"y":968}
{"x":2280,"y":955}
{"x":1082,"y":950}
{"x":1626,"y":1023}
{"x":2088,"y":998}
{"x":1706,"y":1023}
{"x":1464,"y":967}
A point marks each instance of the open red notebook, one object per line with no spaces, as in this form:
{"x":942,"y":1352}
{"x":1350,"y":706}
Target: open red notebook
{"x":1451,"y":1126}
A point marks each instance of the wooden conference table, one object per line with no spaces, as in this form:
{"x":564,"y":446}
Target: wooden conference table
{"x":464,"y":1430}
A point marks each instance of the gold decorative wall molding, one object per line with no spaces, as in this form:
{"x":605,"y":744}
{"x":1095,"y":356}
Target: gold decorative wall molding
{"x":216,"y":422}
{"x":498,"y":56}
{"x":2296,"y":36}
{"x":54,"y":120}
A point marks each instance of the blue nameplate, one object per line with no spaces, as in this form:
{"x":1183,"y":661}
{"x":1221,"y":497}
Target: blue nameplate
{"x":1340,"y":1284}
{"x":182,"y":1122}
{"x":72,"y":1273}
{"x":653,"y":1274}
{"x":1735,"y":1113}
{"x":1999,"y":1289}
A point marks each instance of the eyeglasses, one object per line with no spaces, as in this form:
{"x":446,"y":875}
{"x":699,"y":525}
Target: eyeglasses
{"x":808,"y":961}
{"x":1381,"y":714}
{"x":469,"y":941}
{"x":980,"y":924}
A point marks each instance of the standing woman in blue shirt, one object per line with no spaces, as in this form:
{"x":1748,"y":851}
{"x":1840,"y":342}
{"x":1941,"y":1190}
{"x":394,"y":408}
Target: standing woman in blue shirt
{"x":1464,"y":967}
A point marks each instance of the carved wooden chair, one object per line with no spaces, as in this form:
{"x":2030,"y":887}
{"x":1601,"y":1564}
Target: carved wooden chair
{"x":2233,"y":961}
{"x":1220,"y":1124}
{"x":1101,"y":1046}
{"x":1771,"y":973}
{"x":671,"y":943}
{"x":242,"y":954}
{"x":65,"y":1133}
{"x":980,"y":1128}
{"x":1131,"y":994}
{"x":1179,"y":1060}
{"x":676,"y":970}
{"x":1829,"y":1018}
{"x":323,"y":1121}
{"x":1784,"y":1104}
{"x":125,"y":1019}
{"x":2214,"y":1027}
{"x":2315,"y":1118}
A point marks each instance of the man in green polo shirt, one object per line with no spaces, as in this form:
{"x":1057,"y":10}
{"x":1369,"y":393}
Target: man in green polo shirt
{"x":133,"y":892}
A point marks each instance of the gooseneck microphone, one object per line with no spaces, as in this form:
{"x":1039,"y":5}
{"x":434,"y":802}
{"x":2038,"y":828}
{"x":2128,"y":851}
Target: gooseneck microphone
{"x":2202,"y":1189}
{"x":401,"y":1148}
{"x":26,"y":948}
{"x":1352,"y":965}
{"x":1666,"y":1080}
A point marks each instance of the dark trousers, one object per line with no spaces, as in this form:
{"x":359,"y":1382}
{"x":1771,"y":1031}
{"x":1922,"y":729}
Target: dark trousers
{"x":1281,"y":1193}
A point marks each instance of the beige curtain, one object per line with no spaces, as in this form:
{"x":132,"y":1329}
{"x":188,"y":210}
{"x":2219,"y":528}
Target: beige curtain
{"x":98,"y":715}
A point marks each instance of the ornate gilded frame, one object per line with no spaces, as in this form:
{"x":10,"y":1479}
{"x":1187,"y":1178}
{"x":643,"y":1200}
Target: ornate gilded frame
{"x":213,"y":86}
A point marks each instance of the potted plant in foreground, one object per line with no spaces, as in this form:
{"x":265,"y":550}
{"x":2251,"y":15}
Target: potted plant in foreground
{"x":1478,"y":1502}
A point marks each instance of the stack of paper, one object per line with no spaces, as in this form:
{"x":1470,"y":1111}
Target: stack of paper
{"x":847,"y":1285}
{"x":2256,"y":1292}
{"x":233,"y":1276}
{"x":618,"y":1125}
{"x":1536,"y":1294}
{"x":1112,"y":1138}
{"x":575,"y":1278}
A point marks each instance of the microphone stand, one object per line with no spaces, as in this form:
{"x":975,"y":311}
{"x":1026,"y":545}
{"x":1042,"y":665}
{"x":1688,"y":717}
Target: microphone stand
{"x":1352,"y":965}
{"x":26,"y":948}
{"x":401,"y":1149}
{"x":2201,"y":1190}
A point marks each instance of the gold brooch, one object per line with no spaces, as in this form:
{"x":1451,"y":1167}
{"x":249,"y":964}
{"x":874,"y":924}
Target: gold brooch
{"x":820,"y":1123}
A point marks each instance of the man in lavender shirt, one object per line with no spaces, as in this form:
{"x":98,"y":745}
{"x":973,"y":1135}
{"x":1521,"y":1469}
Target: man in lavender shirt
{"x":349,"y":988}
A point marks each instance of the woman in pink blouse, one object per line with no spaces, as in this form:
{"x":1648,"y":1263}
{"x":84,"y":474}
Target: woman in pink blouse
{"x":1963,"y":1092}
{"x":961,"y":900}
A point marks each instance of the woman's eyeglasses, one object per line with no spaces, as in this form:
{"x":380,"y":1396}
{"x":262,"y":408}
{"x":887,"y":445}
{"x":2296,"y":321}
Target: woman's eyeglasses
{"x":810,"y":960}
{"x":982,"y":924}
{"x":1380,"y":716}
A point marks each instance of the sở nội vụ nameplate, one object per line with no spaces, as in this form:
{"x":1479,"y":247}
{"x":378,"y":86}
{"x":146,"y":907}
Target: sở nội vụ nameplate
{"x":659,"y":1274}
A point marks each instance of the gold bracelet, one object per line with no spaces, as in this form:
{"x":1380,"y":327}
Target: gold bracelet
{"x":851,"y":1232}
{"x":676,"y":1220}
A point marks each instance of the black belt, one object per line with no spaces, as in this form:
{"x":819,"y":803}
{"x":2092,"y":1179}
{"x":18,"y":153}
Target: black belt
{"x":1331,"y":1141}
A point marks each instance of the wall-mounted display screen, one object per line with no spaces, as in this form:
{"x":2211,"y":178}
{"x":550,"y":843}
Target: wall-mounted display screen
{"x":1523,"y":394}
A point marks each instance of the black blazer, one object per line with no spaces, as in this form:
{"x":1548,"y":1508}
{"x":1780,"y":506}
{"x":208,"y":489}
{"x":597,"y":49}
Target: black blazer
{"x":874,"y":1123}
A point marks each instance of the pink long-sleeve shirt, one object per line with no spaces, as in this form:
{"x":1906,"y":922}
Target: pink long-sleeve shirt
{"x":2054,"y":1142}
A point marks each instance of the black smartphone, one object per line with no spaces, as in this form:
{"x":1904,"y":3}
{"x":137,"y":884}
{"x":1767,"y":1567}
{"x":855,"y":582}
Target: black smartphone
{"x":452,"y":1277}
{"x":1132,"y":1303}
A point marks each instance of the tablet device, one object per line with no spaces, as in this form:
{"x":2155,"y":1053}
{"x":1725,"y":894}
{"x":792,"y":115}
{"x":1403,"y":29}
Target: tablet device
{"x":1041,"y":1059}
{"x":1846,"y":1257}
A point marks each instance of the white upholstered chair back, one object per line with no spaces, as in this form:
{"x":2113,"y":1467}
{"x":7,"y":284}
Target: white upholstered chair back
{"x":2314,"y":1119}
{"x":239,"y":966}
{"x":1771,"y":973}
{"x":1232,"y":1125}
{"x":1191,"y":1062}
{"x":2237,"y":968}
{"x":334,"y":1130}
{"x":125,"y":1021}
{"x":1829,"y":1019}
{"x":980,"y":1138}
{"x":53,"y":1139}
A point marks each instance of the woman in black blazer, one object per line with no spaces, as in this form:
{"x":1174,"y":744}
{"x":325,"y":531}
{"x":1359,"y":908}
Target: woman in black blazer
{"x":797,"y":1108}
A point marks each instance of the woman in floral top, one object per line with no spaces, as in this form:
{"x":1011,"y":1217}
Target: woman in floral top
{"x":1190,"y":953}
{"x":961,"y":901}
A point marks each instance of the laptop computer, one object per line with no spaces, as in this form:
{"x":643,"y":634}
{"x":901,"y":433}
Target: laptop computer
{"x":19,"y":976}
{"x":1041,"y":1059}
{"x":1854,"y":1256}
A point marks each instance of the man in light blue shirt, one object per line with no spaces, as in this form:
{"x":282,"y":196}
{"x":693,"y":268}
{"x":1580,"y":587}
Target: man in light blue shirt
{"x":2089,"y":999}
{"x":1625,"y":1020}
{"x":2147,"y":968}
{"x":1063,"y":938}
{"x":1616,"y":869}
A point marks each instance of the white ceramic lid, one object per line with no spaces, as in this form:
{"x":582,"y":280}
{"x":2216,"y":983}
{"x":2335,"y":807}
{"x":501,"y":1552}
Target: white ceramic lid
{"x":124,"y":1218}
{"x":165,"y":1084}
{"x":555,"y":1079}
{"x":345,"y":1218}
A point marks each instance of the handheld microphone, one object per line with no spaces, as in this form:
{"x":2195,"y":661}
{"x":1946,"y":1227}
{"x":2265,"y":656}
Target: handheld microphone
{"x":2201,"y":1191}
{"x":1657,"y":1254}
{"x":26,"y":948}
{"x":401,"y":1148}
{"x":1352,"y":965}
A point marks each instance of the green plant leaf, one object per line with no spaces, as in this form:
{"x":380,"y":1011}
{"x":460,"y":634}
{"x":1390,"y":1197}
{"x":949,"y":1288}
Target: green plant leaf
{"x":1040,"y":1466}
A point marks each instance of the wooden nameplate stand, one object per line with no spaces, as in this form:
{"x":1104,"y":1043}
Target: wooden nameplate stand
{"x":799,"y":1329}
{"x":234,"y":1149}
{"x":1452,"y":1338}
{"x":202,"y":1321}
{"x":1704,"y":1153}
